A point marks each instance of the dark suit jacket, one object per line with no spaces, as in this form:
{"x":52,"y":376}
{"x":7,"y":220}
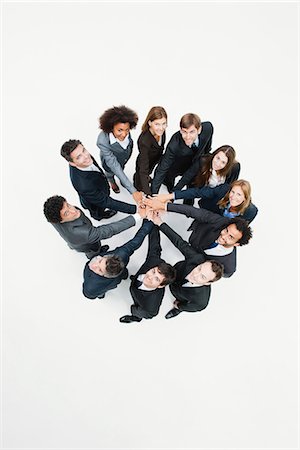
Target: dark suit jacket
{"x":147,"y":303}
{"x":150,"y":153}
{"x":179,"y":154}
{"x":92,"y":187}
{"x":96,"y":285}
{"x":205,"y":230}
{"x":190,"y":298}
{"x":210,"y":198}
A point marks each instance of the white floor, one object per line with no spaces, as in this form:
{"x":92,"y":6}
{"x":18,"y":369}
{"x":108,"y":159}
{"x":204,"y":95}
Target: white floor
{"x":72,"y":375}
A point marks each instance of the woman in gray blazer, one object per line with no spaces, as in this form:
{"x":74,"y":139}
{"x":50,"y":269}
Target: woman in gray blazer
{"x":116,"y":145}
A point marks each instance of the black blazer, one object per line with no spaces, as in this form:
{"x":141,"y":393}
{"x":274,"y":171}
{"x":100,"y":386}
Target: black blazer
{"x":150,"y":153}
{"x":190,"y":298}
{"x":147,"y":303}
{"x":177,"y":152}
{"x":205,"y":230}
{"x":92,"y":187}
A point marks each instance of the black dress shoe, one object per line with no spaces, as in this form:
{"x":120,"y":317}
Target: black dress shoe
{"x":125,"y":274}
{"x":101,"y":296}
{"x":129,"y":319}
{"x":104,"y":248}
{"x":108,"y":214}
{"x":172,"y":313}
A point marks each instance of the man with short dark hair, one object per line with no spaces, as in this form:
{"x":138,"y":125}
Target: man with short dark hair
{"x":183,"y":151}
{"x":91,"y":183}
{"x":194,"y":275}
{"x":105,"y":271}
{"x":148,"y":285}
{"x":77,"y":229}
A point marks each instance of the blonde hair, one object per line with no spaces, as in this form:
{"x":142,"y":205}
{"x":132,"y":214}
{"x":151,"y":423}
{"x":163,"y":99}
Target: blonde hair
{"x":246,"y":188}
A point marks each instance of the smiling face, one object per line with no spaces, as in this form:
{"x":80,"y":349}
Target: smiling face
{"x":98,"y":265}
{"x":68,"y":213}
{"x":229,"y":236}
{"x":81,"y":158}
{"x":158,"y":126}
{"x":202,"y":274}
{"x":189,"y":135}
{"x":153,"y":279}
{"x":121,"y":130}
{"x":236,"y":196}
{"x":219,"y":161}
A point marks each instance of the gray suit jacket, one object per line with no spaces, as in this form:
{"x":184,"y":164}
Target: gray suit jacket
{"x":81,"y":235}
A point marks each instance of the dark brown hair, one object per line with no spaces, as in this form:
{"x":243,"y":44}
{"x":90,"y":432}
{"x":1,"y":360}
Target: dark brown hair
{"x":156,"y":112}
{"x":205,"y":170}
{"x":190,"y":119}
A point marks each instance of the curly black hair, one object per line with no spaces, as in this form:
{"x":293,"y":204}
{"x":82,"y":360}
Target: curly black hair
{"x":68,"y":148}
{"x":52,"y":208}
{"x":243,"y":226}
{"x":117,"y":114}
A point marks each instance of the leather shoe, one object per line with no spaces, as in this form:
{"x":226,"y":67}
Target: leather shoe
{"x":114,"y":187}
{"x":108,"y":214}
{"x":104,"y":248}
{"x":129,"y":319}
{"x":172,"y":313}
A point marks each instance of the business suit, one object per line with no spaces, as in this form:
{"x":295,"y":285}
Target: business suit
{"x":95,"y":285}
{"x":205,"y":230}
{"x":147,"y":303}
{"x":93,"y":190}
{"x":179,"y":157}
{"x":150,"y":152}
{"x":113,"y":159}
{"x":190,"y":299}
{"x":210,"y":198}
{"x":81,"y":235}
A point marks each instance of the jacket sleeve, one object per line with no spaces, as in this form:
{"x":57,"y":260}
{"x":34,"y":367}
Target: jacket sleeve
{"x":184,"y":247}
{"x":111,"y":161}
{"x":164,"y":165}
{"x":250,"y":213}
{"x":144,"y":166}
{"x":206,"y":192}
{"x":126,"y":250}
{"x":188,"y":176}
{"x":154,"y":248}
{"x":200,"y":214}
{"x":106,"y":231}
{"x":234,"y":173}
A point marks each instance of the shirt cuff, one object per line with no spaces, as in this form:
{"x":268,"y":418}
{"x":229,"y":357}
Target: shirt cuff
{"x":137,"y":217}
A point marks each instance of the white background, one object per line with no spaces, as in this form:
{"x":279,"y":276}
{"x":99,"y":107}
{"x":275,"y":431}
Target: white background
{"x":72,"y":375}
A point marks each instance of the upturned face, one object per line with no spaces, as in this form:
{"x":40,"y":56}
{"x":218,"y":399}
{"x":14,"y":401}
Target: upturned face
{"x":202,"y":274}
{"x":189,"y":135}
{"x":68,"y":213}
{"x":121,"y":130}
{"x":98,"y":265}
{"x":158,"y":126}
{"x":81,"y":158}
{"x":229,"y":236}
{"x":236,"y":196}
{"x":219,"y":161}
{"x":153,"y":278}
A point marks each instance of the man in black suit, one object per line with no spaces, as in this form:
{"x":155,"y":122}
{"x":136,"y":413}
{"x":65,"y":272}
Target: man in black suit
{"x":194,"y":275}
{"x":183,"y":151}
{"x":148,"y":285}
{"x":91,"y":183}
{"x":216,"y":235}
{"x":105,"y":271}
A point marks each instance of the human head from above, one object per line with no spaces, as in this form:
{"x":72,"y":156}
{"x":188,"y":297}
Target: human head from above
{"x":159,"y":276}
{"x":76,"y":154}
{"x":190,"y":127}
{"x":109,"y":266}
{"x":156,"y":121}
{"x":118,"y":120}
{"x":237,"y":233}
{"x":239,"y":196}
{"x":221,"y":160}
{"x":58,"y":210}
{"x":206,"y":273}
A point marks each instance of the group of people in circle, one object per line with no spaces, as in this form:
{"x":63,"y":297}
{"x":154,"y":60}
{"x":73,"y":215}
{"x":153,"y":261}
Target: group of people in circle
{"x":190,"y":170}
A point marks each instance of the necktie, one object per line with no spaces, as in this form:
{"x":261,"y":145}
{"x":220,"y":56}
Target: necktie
{"x":138,"y":283}
{"x":212,"y":245}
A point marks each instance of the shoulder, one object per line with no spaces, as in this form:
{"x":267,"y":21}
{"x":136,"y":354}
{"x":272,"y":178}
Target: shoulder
{"x":145,"y":138}
{"x":103,"y":138}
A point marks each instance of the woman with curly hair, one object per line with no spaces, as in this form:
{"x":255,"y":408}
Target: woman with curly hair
{"x":151,"y":146}
{"x":116,"y":145}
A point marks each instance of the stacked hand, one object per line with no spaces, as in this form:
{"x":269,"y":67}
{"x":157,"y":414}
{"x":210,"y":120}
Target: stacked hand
{"x":138,"y":197}
{"x":154,"y":203}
